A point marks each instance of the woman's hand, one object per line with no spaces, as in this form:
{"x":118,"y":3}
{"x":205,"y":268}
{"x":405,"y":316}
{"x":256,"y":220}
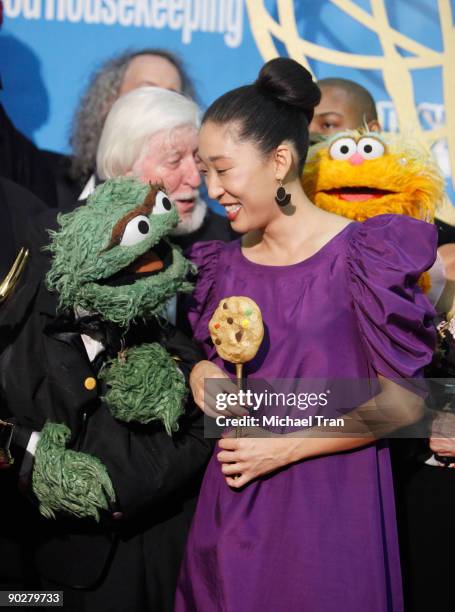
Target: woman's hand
{"x":205,"y":395}
{"x":445,"y":447}
{"x":250,"y":456}
{"x":442,"y":440}
{"x":244,"y":459}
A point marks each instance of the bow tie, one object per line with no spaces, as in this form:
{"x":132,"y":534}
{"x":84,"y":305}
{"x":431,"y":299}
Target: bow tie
{"x":109,"y":334}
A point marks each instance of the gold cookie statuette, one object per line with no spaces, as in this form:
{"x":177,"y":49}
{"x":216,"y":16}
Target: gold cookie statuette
{"x":237,"y":330}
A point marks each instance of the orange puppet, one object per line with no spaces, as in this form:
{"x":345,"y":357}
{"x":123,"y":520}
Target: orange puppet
{"x":361,"y":174}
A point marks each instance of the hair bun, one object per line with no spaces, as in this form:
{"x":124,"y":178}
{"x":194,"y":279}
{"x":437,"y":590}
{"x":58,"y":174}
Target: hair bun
{"x":287,"y":81}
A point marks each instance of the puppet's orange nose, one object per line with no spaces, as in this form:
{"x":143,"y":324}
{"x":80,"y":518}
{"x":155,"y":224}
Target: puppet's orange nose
{"x":356,"y":159}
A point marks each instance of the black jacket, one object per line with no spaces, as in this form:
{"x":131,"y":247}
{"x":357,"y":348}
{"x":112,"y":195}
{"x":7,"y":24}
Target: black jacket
{"x":156,"y":477}
{"x":19,"y":211}
{"x":23,"y":163}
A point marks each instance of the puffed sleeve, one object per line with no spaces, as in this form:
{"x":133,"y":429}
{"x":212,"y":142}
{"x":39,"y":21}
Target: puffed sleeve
{"x":386,"y":256}
{"x":203,"y":301}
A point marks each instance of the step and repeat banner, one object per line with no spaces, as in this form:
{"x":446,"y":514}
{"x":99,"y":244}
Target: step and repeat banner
{"x":402,"y":51}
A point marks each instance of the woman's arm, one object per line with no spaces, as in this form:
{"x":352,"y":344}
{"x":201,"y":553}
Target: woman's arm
{"x":446,"y":303}
{"x":246,"y":458}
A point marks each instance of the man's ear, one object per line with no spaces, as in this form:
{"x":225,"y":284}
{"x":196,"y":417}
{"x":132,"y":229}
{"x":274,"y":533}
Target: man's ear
{"x":284,"y":160}
{"x":374,"y":125}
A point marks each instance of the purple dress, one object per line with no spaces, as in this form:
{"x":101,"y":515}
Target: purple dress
{"x":320,"y":535}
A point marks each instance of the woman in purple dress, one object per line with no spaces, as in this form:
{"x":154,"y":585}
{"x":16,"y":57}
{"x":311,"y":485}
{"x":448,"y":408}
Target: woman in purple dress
{"x":299,"y":524}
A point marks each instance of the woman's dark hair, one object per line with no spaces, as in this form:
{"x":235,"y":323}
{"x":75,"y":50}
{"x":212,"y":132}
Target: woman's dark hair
{"x":278,"y":106}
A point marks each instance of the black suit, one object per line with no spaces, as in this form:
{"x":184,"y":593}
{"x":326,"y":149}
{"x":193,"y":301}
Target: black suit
{"x":68,"y":187}
{"x":23,"y":163}
{"x":17,"y":206}
{"x":129,"y":562}
{"x":19,"y":210}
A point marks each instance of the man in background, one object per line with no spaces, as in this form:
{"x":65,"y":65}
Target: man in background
{"x":116,"y":77}
{"x":346,"y":105}
{"x":120,"y":75}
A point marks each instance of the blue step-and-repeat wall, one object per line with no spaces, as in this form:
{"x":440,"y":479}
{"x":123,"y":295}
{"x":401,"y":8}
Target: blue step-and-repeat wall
{"x":403,"y":51}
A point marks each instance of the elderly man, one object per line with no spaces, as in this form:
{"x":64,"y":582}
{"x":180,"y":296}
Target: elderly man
{"x":115,"y":77}
{"x":151,"y":133}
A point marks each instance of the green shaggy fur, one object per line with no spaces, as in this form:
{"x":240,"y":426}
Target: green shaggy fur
{"x":67,"y":481}
{"x":81,"y":261}
{"x":142,"y":300}
{"x":145,"y":386}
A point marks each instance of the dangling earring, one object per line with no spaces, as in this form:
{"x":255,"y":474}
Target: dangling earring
{"x":282,"y":198}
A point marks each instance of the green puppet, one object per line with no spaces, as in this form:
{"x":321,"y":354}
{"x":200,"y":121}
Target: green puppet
{"x":113,"y":268}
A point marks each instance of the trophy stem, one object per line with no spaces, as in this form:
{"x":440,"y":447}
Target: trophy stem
{"x":239,"y":374}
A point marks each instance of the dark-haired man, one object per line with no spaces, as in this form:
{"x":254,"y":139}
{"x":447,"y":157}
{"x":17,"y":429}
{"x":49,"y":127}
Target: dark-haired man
{"x":344,"y":105}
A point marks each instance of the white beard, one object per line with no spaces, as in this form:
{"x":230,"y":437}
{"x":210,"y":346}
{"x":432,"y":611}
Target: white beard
{"x":193,"y":222}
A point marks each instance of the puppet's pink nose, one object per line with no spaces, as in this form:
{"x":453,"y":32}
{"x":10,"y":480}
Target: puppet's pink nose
{"x":356,"y":159}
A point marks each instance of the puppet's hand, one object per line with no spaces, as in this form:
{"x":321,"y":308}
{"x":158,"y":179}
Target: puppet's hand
{"x":68,"y":481}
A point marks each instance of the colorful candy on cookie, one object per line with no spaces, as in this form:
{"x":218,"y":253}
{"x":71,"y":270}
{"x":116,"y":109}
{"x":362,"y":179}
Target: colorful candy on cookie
{"x":236,"y":329}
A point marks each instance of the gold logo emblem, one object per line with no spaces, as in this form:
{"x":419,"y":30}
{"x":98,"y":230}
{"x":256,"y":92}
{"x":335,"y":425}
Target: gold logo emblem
{"x":396,"y":70}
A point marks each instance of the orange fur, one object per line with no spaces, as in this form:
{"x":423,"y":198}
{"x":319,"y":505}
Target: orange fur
{"x":407,"y":169}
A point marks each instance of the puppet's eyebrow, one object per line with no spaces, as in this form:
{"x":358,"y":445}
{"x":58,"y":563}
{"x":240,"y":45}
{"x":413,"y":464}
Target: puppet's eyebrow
{"x":144,"y":209}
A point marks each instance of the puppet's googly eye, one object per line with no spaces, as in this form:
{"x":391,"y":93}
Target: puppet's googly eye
{"x":135,"y":231}
{"x":343,"y":148}
{"x":162,"y":204}
{"x":370,"y":148}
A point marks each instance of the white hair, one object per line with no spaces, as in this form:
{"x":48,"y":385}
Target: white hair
{"x":131,"y":122}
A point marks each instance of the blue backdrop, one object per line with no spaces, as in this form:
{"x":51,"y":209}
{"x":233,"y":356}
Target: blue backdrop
{"x":48,"y":48}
